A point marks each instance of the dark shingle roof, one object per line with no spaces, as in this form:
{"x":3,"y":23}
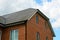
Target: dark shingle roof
{"x":2,"y":19}
{"x":19,"y":16}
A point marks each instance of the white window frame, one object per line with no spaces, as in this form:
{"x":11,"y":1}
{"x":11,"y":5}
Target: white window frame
{"x":14,"y":34}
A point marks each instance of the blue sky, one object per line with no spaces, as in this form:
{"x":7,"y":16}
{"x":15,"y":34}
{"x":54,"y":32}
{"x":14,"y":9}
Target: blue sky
{"x":49,"y":0}
{"x":57,"y":32}
{"x":40,"y":2}
{"x":51,"y":8}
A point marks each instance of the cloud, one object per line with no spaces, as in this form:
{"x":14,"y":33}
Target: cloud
{"x":49,"y":7}
{"x":54,"y":13}
{"x":56,"y":24}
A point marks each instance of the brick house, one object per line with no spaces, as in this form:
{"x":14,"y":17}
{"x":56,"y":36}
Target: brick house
{"x":28,"y":24}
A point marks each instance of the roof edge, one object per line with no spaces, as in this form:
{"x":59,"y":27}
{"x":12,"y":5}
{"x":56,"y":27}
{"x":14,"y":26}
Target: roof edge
{"x":51,"y":28}
{"x":45,"y":17}
{"x":13,"y":24}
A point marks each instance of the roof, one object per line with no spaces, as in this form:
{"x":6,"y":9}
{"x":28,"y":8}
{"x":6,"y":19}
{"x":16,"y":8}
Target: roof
{"x":21,"y":17}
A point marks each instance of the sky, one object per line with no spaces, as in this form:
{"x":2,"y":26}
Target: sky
{"x":51,"y":8}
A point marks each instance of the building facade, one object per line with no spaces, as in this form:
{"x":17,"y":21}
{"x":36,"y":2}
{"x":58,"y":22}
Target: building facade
{"x":28,"y":24}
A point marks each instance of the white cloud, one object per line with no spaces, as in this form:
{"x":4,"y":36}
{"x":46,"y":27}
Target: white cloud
{"x":57,"y":24}
{"x":51,"y":9}
{"x":54,"y":13}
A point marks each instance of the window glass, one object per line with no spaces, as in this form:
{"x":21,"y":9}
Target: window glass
{"x":14,"y":35}
{"x":36,"y":19}
{"x":37,"y":36}
{"x":46,"y":38}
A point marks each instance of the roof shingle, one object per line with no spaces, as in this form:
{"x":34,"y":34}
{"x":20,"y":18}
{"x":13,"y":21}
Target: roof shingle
{"x":19,"y":16}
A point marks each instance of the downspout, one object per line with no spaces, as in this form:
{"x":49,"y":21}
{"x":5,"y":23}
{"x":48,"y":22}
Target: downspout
{"x":25,"y":30}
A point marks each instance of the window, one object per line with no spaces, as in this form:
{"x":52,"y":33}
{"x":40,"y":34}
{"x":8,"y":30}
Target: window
{"x":14,"y":35}
{"x":36,"y":19}
{"x":0,"y":35}
{"x":46,"y":38}
{"x":37,"y":36}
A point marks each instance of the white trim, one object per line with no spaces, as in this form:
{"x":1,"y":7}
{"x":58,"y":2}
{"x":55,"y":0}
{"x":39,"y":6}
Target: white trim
{"x":32,"y":15}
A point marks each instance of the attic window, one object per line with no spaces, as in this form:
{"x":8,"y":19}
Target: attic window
{"x":36,"y":19}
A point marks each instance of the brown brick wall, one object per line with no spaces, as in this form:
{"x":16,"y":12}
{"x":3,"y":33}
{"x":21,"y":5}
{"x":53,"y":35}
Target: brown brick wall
{"x":33,"y":27}
{"x":21,"y":34}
